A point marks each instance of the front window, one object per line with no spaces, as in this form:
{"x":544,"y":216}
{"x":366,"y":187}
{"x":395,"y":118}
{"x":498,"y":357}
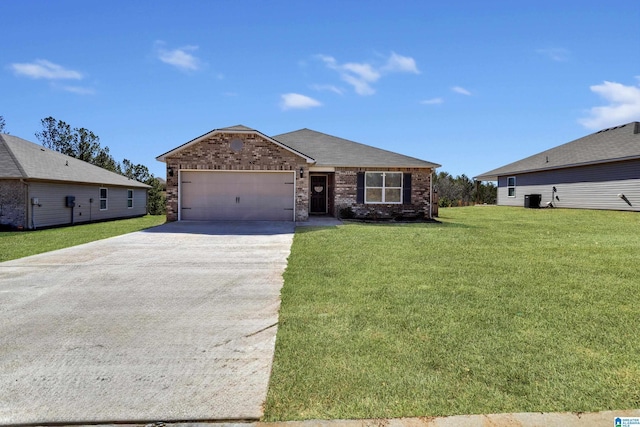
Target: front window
{"x":103,"y":199}
{"x":511,"y":186}
{"x":129,"y":198}
{"x":383,"y":187}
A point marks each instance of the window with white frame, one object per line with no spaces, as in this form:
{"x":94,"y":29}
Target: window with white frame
{"x":383,"y":187}
{"x":511,"y":186}
{"x":129,"y":199}
{"x":103,"y":199}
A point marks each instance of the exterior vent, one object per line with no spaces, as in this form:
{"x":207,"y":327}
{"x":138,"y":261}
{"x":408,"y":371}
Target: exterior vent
{"x":637,"y":128}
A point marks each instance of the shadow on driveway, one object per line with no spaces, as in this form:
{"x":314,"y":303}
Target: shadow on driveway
{"x":176,"y":323}
{"x":226,"y":228}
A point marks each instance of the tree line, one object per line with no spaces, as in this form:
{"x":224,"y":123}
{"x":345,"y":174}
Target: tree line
{"x":83,"y":144}
{"x":462,"y":191}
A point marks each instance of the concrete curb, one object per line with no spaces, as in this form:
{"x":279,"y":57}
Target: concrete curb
{"x":524,"y":419}
{"x":527,"y":419}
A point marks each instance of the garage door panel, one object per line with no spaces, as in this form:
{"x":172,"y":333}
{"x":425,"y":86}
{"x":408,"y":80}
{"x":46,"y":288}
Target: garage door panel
{"x":213,"y":195}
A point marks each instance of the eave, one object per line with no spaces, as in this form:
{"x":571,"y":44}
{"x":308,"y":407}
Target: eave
{"x":163,"y":157}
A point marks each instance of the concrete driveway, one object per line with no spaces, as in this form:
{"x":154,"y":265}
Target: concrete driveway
{"x":176,"y":323}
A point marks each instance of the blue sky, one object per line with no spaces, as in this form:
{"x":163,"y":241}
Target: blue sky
{"x":471,"y":85}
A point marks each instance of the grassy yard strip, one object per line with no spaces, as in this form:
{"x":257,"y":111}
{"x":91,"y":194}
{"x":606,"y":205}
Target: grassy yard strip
{"x":495,"y":310}
{"x":18,"y":244}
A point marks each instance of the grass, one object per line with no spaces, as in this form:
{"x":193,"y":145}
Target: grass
{"x":18,"y":244}
{"x":495,"y":310}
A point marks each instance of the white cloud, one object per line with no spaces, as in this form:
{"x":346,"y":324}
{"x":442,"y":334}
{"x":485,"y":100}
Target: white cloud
{"x":432,"y":101}
{"x":461,"y":90}
{"x":400,"y":64}
{"x":79,"y":90}
{"x":180,"y":58}
{"x":329,"y":88}
{"x":43,"y":69}
{"x":360,"y":85}
{"x":363,"y":72}
{"x":291,"y":101}
{"x":363,"y":75}
{"x":624,"y":106}
{"x":357,"y":75}
{"x":557,"y":54}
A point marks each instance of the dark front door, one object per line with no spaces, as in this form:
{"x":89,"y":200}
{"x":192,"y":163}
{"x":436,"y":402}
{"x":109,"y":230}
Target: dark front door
{"x":318,"y":194}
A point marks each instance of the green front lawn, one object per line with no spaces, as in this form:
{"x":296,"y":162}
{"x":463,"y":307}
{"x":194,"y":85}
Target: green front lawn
{"x":495,"y":310}
{"x":18,"y":244}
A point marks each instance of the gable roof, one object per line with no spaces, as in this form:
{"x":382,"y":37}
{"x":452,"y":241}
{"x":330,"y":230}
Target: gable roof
{"x":330,"y":150}
{"x":321,"y":149}
{"x":240,"y":129}
{"x":607,"y":145}
{"x":22,"y":159}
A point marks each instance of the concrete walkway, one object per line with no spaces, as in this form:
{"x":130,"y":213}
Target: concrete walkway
{"x":177,"y":323}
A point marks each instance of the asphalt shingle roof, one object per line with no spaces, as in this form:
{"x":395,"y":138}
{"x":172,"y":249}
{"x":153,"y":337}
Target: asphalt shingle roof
{"x":321,"y":149}
{"x":607,"y":145}
{"x":230,"y":129}
{"x":329,"y":150}
{"x":20,"y":158}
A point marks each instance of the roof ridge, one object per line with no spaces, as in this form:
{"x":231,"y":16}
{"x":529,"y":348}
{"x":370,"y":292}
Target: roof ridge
{"x":367,"y":145}
{"x":611,"y":144}
{"x":322,"y":146}
{"x":245,"y":129}
{"x":33,"y":161}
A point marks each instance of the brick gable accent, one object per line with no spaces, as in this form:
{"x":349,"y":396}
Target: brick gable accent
{"x":255,"y":153}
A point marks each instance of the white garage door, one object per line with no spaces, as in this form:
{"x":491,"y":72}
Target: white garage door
{"x":247,"y":196}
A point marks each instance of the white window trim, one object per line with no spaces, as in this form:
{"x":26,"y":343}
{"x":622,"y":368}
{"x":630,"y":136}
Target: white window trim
{"x":384,"y":188}
{"x":106,"y":199}
{"x":511,"y":186}
{"x":130,"y":198}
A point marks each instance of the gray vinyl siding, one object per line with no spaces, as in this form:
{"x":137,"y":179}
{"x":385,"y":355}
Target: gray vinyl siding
{"x":587,"y":187}
{"x":53,"y":211}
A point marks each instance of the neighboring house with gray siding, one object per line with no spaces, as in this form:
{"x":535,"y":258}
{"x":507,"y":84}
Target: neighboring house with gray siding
{"x":598,"y":171}
{"x":43,"y":188}
{"x":238,"y":173}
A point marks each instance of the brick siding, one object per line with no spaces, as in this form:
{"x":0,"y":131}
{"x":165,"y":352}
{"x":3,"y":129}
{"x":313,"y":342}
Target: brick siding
{"x":346,"y":188}
{"x":257,"y":153}
{"x":13,"y":204}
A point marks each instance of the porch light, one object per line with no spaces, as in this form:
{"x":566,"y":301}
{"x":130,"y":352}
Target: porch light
{"x":170,"y":171}
{"x":301,"y":172}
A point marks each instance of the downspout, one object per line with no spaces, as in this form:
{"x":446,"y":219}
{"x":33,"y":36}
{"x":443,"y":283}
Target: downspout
{"x":431,"y":195}
{"x":28,"y":203}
